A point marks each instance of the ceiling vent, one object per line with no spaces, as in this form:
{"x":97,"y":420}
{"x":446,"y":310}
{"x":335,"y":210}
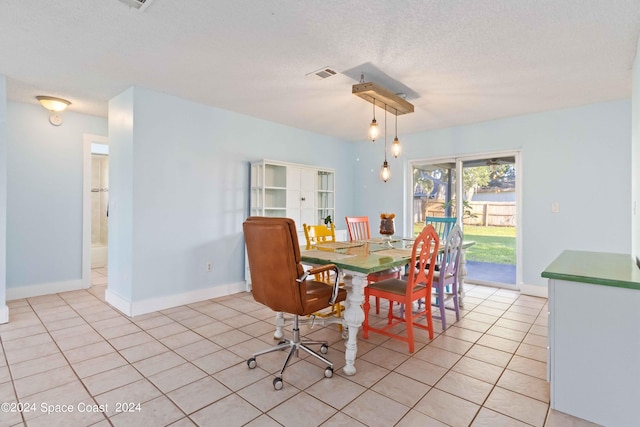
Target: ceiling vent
{"x":141,"y":5}
{"x":322,"y":73}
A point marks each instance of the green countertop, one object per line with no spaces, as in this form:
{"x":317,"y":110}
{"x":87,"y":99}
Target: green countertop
{"x":599,"y":268}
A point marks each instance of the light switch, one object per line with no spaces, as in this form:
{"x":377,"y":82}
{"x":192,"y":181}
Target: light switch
{"x":555,"y":207}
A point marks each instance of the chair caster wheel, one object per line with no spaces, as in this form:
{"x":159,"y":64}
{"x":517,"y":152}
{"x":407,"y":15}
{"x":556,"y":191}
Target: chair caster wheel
{"x":251,"y":363}
{"x":328,"y":373}
{"x":277,"y":383}
{"x":324,"y":349}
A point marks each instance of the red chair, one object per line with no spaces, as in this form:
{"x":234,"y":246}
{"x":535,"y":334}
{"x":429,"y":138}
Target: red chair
{"x":417,"y":286}
{"x":359,"y":229}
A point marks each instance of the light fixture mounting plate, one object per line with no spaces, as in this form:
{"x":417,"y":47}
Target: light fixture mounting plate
{"x":394,"y":103}
{"x":55,"y":119}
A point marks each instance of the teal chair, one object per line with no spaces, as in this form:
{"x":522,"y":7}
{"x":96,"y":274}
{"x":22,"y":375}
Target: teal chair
{"x":443,"y":226}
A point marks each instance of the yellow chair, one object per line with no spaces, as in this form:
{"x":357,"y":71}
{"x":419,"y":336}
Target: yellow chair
{"x":321,"y":234}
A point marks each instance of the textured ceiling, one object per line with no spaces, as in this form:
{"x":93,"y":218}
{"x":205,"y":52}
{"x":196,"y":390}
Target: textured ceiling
{"x":458,"y":61}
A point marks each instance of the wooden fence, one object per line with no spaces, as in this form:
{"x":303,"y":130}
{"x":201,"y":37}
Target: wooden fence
{"x":500,"y":214}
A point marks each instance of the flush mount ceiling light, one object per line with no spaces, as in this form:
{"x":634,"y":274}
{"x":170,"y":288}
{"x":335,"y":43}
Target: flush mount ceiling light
{"x":55,"y":105}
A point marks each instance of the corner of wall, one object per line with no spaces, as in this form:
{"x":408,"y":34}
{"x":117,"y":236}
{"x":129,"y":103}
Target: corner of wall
{"x":118,"y":302}
{"x":535,"y":290}
{"x":4,"y":314}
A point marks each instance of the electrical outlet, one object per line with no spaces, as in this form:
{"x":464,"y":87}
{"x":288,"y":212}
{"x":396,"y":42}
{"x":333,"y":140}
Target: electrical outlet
{"x":209,"y":266}
{"x":555,"y":207}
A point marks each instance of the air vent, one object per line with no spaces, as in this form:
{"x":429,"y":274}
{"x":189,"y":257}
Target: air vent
{"x":141,"y":5}
{"x":322,"y":73}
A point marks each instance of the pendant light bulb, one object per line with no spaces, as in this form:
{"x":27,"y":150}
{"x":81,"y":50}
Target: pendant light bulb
{"x":385,"y":172}
{"x":374,"y":131}
{"x":395,"y":146}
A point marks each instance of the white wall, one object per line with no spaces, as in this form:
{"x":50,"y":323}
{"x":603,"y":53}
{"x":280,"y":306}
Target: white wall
{"x":577,"y":157}
{"x":4,"y":312}
{"x":44,"y":199}
{"x":179,"y":194}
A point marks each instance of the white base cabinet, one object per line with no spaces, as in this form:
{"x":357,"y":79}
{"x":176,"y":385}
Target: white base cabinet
{"x":594,"y":341}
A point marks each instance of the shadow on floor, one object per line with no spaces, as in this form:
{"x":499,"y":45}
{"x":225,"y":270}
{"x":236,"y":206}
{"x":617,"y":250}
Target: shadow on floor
{"x":491,"y":272}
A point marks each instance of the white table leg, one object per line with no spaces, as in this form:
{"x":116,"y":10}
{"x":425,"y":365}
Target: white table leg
{"x":353,"y":317}
{"x":279,"y":333}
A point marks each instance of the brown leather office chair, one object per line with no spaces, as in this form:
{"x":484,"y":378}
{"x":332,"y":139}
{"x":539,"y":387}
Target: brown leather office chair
{"x":279,"y":281}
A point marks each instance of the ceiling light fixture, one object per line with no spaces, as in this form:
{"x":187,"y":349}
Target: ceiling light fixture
{"x":395,"y":146}
{"x":55,"y":105}
{"x":371,"y":92}
{"x":374,"y":131}
{"x":385,"y":171}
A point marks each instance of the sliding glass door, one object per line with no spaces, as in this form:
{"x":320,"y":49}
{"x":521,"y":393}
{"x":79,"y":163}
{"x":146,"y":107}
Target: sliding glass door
{"x":487,"y":209}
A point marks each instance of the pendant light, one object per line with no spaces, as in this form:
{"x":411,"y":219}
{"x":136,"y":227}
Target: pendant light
{"x":373,"y":127}
{"x":385,"y":171}
{"x":395,"y":146}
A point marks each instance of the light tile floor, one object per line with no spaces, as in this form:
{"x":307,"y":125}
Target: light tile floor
{"x":70,"y":359}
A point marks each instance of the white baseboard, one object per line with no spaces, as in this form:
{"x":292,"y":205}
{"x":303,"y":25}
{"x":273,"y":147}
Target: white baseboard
{"x":535,"y":290}
{"x":44,"y":289}
{"x":162,"y":303}
{"x":4,"y":314}
{"x":120,"y":303}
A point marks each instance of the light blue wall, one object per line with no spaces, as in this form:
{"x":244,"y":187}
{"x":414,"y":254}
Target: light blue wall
{"x":577,"y":157}
{"x":635,"y":157}
{"x":44,"y":194}
{"x":120,"y":249}
{"x":4,"y":314}
{"x":188,"y":177}
{"x":189,"y":188}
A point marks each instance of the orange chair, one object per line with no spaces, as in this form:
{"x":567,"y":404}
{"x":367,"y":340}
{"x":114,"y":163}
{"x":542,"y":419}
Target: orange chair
{"x":359,"y":229}
{"x":418,"y":286}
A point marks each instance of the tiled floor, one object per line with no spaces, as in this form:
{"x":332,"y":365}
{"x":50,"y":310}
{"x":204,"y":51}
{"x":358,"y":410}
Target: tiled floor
{"x":186,"y":366}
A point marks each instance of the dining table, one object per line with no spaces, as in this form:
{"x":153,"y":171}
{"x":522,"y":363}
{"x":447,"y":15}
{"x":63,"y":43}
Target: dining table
{"x":356,"y":260}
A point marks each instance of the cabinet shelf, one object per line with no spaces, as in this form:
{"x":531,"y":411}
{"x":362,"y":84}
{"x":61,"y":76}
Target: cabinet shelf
{"x":301,"y":192}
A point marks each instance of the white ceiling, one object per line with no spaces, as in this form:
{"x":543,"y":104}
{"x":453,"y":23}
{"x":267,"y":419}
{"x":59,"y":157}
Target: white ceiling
{"x":459,"y":61}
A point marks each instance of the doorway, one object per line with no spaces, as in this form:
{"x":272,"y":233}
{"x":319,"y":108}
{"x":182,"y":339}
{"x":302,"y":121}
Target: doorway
{"x":95,"y":192}
{"x":99,"y":204}
{"x":488,"y":210}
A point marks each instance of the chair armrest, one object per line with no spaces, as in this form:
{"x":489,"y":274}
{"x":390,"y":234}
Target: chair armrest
{"x":336,"y":287}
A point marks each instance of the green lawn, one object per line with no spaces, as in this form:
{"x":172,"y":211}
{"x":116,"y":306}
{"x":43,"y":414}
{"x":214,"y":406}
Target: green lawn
{"x":493,"y":244}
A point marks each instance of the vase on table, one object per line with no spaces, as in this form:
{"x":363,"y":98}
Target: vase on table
{"x":387,"y":229}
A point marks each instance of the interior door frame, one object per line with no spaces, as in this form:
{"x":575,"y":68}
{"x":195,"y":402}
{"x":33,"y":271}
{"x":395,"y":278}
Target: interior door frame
{"x":87,"y":140}
{"x":459,"y":160}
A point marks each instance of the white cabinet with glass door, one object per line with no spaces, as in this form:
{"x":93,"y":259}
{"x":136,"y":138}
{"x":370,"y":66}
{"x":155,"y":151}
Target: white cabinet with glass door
{"x":301,"y":190}
{"x":303,"y":193}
